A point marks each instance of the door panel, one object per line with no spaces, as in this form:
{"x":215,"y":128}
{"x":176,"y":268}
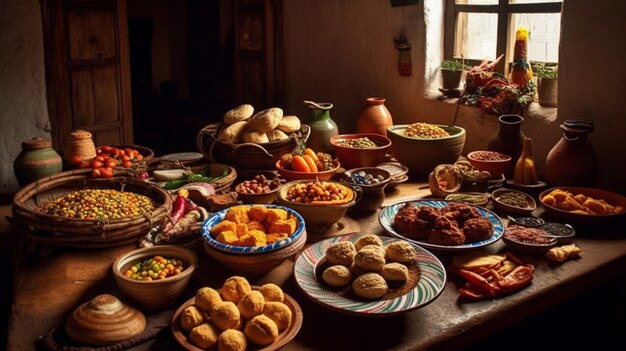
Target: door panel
{"x":87,"y":39}
{"x":106,"y":94}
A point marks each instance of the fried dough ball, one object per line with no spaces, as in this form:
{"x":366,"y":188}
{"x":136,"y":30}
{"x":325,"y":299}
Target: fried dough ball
{"x":207,"y":298}
{"x":191,"y":318}
{"x":261,"y":330}
{"x":251,"y":304}
{"x":203,"y":336}
{"x":337,"y":275}
{"x":342,"y":253}
{"x":401,"y":251}
{"x":368,"y":239}
{"x":232,"y":340}
{"x":370,"y":260}
{"x":272,"y":292}
{"x":377,"y":248}
{"x":235,"y":288}
{"x":279,"y":313}
{"x":395,"y":271}
{"x":357,"y":271}
{"x":370,"y":286}
{"x":225,"y":315}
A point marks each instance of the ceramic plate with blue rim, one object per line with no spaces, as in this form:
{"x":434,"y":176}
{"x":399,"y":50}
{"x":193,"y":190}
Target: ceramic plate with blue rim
{"x":387,"y":214}
{"x":219,"y":216}
{"x":427,"y":278}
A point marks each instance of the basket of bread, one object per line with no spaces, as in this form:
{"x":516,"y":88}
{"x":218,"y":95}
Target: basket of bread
{"x":249,"y":140}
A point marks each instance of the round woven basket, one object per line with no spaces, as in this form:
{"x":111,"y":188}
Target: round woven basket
{"x":247,"y":155}
{"x":63,"y":231}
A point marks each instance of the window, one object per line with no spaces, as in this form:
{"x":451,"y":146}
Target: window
{"x":478,"y":29}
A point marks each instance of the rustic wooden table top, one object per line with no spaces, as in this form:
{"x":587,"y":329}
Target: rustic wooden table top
{"x":47,"y":288}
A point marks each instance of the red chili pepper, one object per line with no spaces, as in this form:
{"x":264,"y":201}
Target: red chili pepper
{"x":178,"y":211}
{"x":479,"y":282}
{"x":518,"y":279}
{"x":470,"y":293}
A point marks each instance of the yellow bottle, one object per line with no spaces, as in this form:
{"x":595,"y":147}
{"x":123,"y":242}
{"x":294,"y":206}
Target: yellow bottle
{"x":525,"y":172}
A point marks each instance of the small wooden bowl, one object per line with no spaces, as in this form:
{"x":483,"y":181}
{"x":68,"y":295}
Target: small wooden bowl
{"x":265,"y":198}
{"x":155,"y":294}
{"x":511,"y":209}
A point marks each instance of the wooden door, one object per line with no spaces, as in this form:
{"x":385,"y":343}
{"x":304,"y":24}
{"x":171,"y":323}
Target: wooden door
{"x":87,"y":69}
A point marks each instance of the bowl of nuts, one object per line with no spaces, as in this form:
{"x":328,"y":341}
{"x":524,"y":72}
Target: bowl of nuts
{"x":258,"y":190}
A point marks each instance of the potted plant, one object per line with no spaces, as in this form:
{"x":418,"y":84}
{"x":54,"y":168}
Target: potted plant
{"x":547,"y":84}
{"x":451,"y":71}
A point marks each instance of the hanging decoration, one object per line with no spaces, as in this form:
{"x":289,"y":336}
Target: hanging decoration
{"x":405,"y":66}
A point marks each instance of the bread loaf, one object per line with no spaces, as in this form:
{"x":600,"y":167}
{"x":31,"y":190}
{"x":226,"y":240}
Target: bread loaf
{"x":276,"y":135}
{"x":255,"y":137}
{"x":233,"y":133}
{"x":239,"y":113}
{"x":266,"y":120}
{"x":289,"y":124}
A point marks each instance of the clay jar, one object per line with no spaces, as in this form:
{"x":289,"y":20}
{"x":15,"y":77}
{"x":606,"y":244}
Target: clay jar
{"x":509,"y":139}
{"x":572,"y":161}
{"x":374,"y":117}
{"x":322,"y":127}
{"x":36,"y":160}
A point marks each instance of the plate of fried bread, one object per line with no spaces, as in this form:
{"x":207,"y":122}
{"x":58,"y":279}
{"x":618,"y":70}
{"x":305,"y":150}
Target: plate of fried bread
{"x":442,"y":225}
{"x":369,"y":275}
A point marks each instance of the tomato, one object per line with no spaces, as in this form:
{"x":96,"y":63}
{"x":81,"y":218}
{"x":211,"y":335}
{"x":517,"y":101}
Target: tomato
{"x":96,"y":172}
{"x":310,"y":162}
{"x":84,"y":165}
{"x":128,"y":151}
{"x":106,"y":148}
{"x":127,"y":164}
{"x":111,"y":163}
{"x":125,"y":158}
{"x":76,"y":160}
{"x":96,"y":163}
{"x":299,"y":164}
{"x":99,"y":158}
{"x":135,"y":152}
{"x":139,"y":157}
{"x":106,"y":172}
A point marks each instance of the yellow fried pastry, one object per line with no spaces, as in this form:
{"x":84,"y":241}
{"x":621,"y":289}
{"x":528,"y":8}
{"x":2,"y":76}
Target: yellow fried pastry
{"x":272,"y":292}
{"x":203,"y":336}
{"x":232,"y":340}
{"x":235,"y":288}
{"x":563,"y":253}
{"x":279,"y":313}
{"x":251,"y":304}
{"x":261,"y":330}
{"x":191,"y":318}
{"x":207,"y":298}
{"x":225,"y":315}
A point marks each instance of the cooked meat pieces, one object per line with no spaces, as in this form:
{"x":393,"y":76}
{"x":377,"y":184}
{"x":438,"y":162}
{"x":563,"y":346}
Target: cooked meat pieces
{"x":459,"y":213}
{"x":407,"y":222}
{"x":448,"y":237}
{"x":476,"y":229}
{"x":428,"y":214}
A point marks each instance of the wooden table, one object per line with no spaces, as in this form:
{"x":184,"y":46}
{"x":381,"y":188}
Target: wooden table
{"x":46,"y":288}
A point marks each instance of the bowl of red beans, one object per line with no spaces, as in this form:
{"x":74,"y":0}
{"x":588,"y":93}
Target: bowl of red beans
{"x":154,"y":277}
{"x":528,"y":240}
{"x":491,"y":161}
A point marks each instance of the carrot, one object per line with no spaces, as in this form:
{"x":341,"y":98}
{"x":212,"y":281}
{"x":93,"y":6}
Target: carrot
{"x":310,"y":152}
{"x":310,"y":162}
{"x":299,"y":164}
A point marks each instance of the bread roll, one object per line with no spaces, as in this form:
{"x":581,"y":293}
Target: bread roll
{"x":279,"y":313}
{"x":342,"y":253}
{"x":191,"y":318}
{"x":368,"y":239}
{"x":207,"y":298}
{"x":266,"y":120}
{"x":235,"y":288}
{"x":232,"y":340}
{"x":370,"y":286}
{"x":395,"y":271}
{"x":369,"y":259}
{"x":255,"y":137}
{"x":251,"y":304}
{"x":239,"y":113}
{"x":272,"y":292}
{"x":203,"y":336}
{"x":233,"y":134}
{"x":337,"y":275}
{"x":225,"y":315}
{"x":289,"y":124}
{"x":401,"y":251}
{"x":261,"y":330}
{"x":276,"y":135}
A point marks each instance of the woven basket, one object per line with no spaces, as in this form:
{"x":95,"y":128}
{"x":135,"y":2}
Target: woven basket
{"x":247,"y":155}
{"x":63,"y":231}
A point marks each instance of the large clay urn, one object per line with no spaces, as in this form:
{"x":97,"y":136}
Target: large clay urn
{"x":572,"y":161}
{"x":374,"y":117}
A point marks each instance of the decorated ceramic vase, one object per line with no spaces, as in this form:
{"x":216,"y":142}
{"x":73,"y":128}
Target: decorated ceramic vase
{"x":36,"y":160}
{"x":374,"y":117}
{"x":322,"y":127}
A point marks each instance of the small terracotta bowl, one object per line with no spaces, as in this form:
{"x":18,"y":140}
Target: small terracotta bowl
{"x":265,"y":198}
{"x":351,"y":157}
{"x":290,"y":175}
{"x":160,"y":293}
{"x":493,"y":162}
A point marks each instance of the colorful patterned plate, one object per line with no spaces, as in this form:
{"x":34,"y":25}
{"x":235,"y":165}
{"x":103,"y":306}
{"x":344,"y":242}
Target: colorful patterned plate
{"x":219,"y":216}
{"x":432,"y":279}
{"x":388,"y":213}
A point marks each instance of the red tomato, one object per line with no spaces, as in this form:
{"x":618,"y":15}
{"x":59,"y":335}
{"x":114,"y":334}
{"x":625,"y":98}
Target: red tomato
{"x":127,"y":164}
{"x":125,"y":158}
{"x":128,"y":151}
{"x":84,"y":165}
{"x":139,"y":157}
{"x":99,"y":158}
{"x":111,"y":163}
{"x":96,"y":163}
{"x":106,"y":172}
{"x":106,"y":148}
{"x":76,"y":160}
{"x":135,"y":152}
{"x":96,"y":172}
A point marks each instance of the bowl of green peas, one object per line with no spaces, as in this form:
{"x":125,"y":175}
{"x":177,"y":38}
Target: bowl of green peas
{"x":155,"y":277}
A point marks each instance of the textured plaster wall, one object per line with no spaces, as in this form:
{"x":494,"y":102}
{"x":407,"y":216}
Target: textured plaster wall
{"x":23,"y":110}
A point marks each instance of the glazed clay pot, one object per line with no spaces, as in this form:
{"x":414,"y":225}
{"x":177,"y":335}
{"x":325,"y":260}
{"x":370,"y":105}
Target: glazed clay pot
{"x":36,"y":160}
{"x":322,"y":127}
{"x":374,"y":117}
{"x":572,"y":161}
{"x":509,"y":139}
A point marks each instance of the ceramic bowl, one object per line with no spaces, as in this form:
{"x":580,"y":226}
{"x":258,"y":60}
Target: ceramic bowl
{"x":493,"y":162}
{"x":526,"y":247}
{"x":351,"y":157}
{"x":318,"y":218}
{"x":421,"y":156}
{"x":290,"y":175}
{"x":583,"y":218}
{"x":564,"y":233}
{"x":160,"y":293}
{"x":501,"y":203}
{"x":473,"y":198}
{"x":264,"y":198}
{"x":398,"y":173}
{"x":373,"y":194}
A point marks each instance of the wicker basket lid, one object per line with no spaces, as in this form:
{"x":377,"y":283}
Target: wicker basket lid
{"x":36,"y":143}
{"x":80,"y":134}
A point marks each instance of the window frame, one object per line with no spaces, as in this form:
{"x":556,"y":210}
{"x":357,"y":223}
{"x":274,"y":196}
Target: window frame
{"x":503,"y":9}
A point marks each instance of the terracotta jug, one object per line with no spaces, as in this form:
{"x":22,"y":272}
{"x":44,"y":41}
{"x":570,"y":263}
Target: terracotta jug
{"x":509,"y":139}
{"x":322,"y":127}
{"x":374,"y":117}
{"x":36,"y":160}
{"x":572,"y":161}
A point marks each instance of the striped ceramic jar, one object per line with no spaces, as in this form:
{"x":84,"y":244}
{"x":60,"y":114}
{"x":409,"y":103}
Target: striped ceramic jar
{"x":37,"y":160}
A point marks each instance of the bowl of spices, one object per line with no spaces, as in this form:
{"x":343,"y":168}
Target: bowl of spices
{"x":564,"y":233}
{"x":513,"y":202}
{"x":360,"y":150}
{"x":473,"y":198}
{"x":528,"y":240}
{"x":154,"y":277}
{"x":372,"y":181}
{"x":490,"y":161}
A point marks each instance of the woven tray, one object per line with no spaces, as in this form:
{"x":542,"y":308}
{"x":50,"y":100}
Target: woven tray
{"x":62,"y":231}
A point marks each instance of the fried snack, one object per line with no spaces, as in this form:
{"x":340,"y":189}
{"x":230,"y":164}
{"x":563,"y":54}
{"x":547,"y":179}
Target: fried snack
{"x":279,"y":313}
{"x":474,"y":260}
{"x":258,"y":213}
{"x":223,"y":226}
{"x":379,"y":249}
{"x":239,"y":113}
{"x":254,"y":224}
{"x":232,"y":340}
{"x":251,"y":304}
{"x":395,"y":271}
{"x":401,"y":251}
{"x":242,"y":229}
{"x":367,"y":239}
{"x":237,"y":214}
{"x":272,"y":292}
{"x":254,"y":238}
{"x":235,"y":288}
{"x":370,"y":260}
{"x":370,"y":286}
{"x":261,"y":330}
{"x":225,"y":315}
{"x":275,"y":237}
{"x":207,"y":298}
{"x":563,"y":253}
{"x":579,"y":203}
{"x":275,"y":214}
{"x":228,"y":237}
{"x":337,"y":275}
{"x":283,"y":226}
{"x":342,"y":253}
{"x":203,"y":336}
{"x":191,"y":318}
